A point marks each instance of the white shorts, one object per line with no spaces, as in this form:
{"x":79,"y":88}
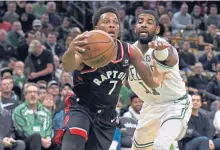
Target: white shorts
{"x":152,"y":117}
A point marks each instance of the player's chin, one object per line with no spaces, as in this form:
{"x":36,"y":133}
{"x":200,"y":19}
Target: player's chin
{"x":144,"y":40}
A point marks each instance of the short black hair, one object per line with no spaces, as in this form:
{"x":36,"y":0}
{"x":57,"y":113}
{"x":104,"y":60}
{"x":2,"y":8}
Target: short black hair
{"x":102,"y":10}
{"x":29,"y":32}
{"x":150,"y":12}
{"x":133,"y":96}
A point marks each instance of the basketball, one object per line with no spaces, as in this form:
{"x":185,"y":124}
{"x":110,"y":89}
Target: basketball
{"x":100,"y":49}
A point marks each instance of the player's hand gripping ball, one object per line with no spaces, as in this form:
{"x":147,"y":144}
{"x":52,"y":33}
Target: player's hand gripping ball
{"x":100,"y":49}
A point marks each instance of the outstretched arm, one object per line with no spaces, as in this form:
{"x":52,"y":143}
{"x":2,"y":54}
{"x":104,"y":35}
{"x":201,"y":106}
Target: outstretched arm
{"x":164,"y":53}
{"x":152,"y":79}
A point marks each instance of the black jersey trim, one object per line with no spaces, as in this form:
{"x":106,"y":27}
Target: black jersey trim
{"x":122,"y":54}
{"x":130,"y":50}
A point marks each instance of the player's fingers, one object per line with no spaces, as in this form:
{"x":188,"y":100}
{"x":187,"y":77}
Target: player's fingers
{"x":80,"y":49}
{"x":151,"y":44}
{"x":80,"y":43}
{"x":81,"y":37}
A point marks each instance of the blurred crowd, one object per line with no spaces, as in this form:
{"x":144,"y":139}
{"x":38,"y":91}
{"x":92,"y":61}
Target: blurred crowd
{"x":35,"y":34}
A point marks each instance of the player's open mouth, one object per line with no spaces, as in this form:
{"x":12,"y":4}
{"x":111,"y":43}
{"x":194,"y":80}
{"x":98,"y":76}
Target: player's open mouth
{"x":112,"y":34}
{"x":143,"y":34}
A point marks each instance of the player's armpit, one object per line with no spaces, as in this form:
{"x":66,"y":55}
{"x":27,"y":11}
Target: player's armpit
{"x":143,"y":68}
{"x":72,"y":62}
{"x":172,"y":58}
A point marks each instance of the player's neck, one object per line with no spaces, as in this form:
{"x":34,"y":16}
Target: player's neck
{"x":142,"y":47}
{"x":195,"y":112}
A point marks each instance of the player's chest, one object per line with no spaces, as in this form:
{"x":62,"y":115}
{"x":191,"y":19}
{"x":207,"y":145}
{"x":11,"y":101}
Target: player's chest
{"x":104,"y":75}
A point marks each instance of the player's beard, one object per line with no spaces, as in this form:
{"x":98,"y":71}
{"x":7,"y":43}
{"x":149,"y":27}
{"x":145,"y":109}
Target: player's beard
{"x":149,"y":38}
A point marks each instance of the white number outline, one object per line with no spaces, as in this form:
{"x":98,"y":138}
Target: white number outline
{"x":114,"y":86}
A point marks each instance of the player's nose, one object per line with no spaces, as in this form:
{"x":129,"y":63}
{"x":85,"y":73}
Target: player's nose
{"x":111,"y":25}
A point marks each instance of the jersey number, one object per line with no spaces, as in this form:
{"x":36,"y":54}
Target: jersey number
{"x":154,"y":92}
{"x":114,"y":86}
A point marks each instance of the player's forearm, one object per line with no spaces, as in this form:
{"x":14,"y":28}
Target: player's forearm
{"x":168,"y":55}
{"x":70,"y":62}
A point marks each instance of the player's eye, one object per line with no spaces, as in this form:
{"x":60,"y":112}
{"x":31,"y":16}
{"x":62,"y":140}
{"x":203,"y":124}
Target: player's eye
{"x":150,"y":22}
{"x":140,"y":21}
{"x":116,"y":22}
{"x":105,"y":21}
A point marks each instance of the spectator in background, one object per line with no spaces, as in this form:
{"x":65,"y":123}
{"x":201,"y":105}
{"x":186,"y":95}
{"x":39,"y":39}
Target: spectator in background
{"x":16,"y":35}
{"x":182,"y":20}
{"x":53,"y":46}
{"x":12,"y":62}
{"x":198,"y":19}
{"x":208,"y":59}
{"x":125,"y":93}
{"x":124,"y":24}
{"x":36,"y":25}
{"x":19,"y":76}
{"x":127,"y":127}
{"x":54,"y":19}
{"x":39,"y":63}
{"x":135,"y":107}
{"x":75,"y":31}
{"x":54,"y":89}
{"x":216,"y":123}
{"x":21,"y":7}
{"x":66,"y":78}
{"x":161,"y":10}
{"x":11,"y":15}
{"x":7,"y":132}
{"x":199,"y":133}
{"x":57,"y":69}
{"x":214,"y":85}
{"x":6,"y":50}
{"x":186,"y":55}
{"x":59,"y":113}
{"x":9,"y":98}
{"x":68,"y":40}
{"x":39,"y":8}
{"x":49,"y":103}
{"x":6,"y":73}
{"x":22,"y":50}
{"x":64,"y":29}
{"x":42,"y":93}
{"x":5,"y":25}
{"x":213,"y":17}
{"x":198,"y":80}
{"x":46,"y":27}
{"x":166,"y":22}
{"x":27,"y":18}
{"x":32,"y":121}
{"x":210,"y":38}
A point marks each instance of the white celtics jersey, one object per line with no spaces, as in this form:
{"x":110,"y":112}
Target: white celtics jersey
{"x":172,"y":89}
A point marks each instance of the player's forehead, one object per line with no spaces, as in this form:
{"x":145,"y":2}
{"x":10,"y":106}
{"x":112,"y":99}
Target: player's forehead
{"x":144,"y":16}
{"x":108,"y":16}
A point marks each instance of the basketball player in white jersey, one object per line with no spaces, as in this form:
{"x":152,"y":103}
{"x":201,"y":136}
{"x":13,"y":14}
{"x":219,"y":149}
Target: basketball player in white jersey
{"x":167,"y":109}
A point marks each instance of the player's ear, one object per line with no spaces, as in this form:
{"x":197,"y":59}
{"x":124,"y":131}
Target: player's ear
{"x":158,"y":29}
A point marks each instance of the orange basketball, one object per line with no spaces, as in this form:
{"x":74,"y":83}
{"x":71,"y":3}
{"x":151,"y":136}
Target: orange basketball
{"x":100,"y":49}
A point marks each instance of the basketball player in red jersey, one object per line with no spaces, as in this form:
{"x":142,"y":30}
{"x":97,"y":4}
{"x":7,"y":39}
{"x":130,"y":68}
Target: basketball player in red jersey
{"x":89,"y":122}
